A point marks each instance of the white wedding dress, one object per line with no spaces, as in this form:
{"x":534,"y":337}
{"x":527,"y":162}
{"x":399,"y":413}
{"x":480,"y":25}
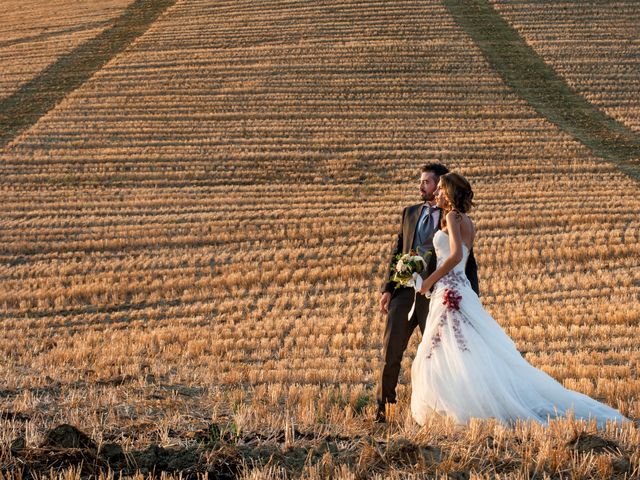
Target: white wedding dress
{"x":467,"y":366}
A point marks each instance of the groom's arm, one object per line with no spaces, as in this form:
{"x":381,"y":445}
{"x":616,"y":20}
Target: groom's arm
{"x":388,"y":285}
{"x":472,"y":272}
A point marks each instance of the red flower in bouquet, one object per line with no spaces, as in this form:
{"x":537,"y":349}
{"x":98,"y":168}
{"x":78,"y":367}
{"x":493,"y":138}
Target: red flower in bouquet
{"x":452,"y":299}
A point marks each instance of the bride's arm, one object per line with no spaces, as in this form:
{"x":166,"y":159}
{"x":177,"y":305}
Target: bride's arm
{"x":454,"y":221}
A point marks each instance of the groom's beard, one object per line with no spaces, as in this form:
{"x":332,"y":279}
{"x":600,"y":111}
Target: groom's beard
{"x":427,"y":198}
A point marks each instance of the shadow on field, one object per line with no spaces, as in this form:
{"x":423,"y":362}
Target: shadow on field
{"x":546,"y":91}
{"x":35,"y":98}
{"x":217,"y":453}
{"x":220,"y":452}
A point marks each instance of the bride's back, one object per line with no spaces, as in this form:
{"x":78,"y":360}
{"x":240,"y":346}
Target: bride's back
{"x":467,"y":230}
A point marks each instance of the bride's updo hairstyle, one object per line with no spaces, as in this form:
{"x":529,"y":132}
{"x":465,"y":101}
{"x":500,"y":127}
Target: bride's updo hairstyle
{"x":457,"y":191}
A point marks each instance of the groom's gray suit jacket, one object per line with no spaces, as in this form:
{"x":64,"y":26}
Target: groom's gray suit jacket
{"x":404,"y":242}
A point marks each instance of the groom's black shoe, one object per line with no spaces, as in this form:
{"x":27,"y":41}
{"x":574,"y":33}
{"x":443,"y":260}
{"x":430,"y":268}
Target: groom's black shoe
{"x":381,"y":414}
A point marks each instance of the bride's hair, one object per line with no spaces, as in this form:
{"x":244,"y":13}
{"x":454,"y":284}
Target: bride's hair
{"x":457,"y":191}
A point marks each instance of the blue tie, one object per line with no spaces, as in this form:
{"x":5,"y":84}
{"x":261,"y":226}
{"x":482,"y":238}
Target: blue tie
{"x":425,"y":230}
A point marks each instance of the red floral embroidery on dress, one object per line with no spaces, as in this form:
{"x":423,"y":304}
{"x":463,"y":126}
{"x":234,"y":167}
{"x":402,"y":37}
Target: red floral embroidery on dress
{"x":435,"y":340}
{"x":454,"y":279}
{"x":451,"y":299}
{"x":451,"y":314}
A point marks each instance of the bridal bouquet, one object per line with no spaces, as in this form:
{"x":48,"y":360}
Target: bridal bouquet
{"x":408,"y":266}
{"x":406,"y":273}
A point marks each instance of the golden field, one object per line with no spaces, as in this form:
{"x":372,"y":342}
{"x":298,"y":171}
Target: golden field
{"x":34,"y":35}
{"x":592,"y":45}
{"x":193,"y":240}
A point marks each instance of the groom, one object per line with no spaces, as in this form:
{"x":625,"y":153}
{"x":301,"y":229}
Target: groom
{"x":419,"y":223}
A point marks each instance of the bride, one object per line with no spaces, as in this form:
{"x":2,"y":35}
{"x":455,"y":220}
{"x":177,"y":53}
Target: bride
{"x":466,"y":366}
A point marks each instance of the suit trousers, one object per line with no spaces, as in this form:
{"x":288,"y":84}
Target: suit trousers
{"x":397,"y":334}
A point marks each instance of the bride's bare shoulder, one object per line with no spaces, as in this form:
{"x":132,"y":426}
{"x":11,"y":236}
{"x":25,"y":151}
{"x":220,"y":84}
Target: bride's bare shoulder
{"x":454,"y":216}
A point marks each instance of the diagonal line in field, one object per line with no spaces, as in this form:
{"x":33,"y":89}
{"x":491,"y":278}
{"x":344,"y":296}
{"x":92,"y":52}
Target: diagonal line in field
{"x":546,"y":91}
{"x":35,"y":98}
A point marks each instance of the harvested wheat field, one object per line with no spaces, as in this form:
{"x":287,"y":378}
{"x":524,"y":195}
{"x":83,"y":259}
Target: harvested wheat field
{"x":593,"y":45}
{"x":198,"y":200}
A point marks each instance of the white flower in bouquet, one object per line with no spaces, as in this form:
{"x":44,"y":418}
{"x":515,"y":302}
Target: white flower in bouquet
{"x":418,"y":258}
{"x":407,"y":268}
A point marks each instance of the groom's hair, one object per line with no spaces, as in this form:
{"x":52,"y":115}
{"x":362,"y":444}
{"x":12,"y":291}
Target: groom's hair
{"x":436,"y":168}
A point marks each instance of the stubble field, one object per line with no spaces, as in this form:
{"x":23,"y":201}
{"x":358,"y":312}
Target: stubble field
{"x":192,"y":241}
